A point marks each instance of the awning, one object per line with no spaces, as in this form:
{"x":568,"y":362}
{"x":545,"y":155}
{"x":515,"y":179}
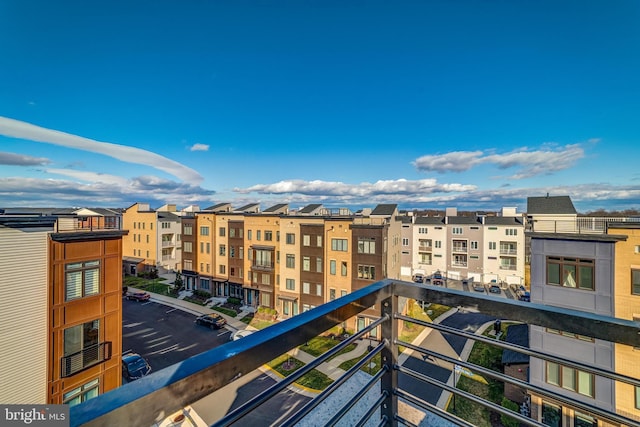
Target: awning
{"x":132,"y":260}
{"x":287,"y":298}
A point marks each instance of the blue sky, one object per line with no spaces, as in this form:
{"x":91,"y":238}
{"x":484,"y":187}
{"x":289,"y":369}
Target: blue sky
{"x":427,"y":104}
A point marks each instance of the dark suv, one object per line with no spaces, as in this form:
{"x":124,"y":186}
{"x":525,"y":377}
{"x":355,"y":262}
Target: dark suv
{"x":213,"y":321}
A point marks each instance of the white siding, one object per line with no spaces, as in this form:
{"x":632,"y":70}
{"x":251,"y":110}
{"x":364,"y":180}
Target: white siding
{"x":23,"y":315}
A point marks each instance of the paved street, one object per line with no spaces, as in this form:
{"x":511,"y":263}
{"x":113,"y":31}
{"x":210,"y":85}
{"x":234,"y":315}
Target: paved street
{"x":165,"y":335}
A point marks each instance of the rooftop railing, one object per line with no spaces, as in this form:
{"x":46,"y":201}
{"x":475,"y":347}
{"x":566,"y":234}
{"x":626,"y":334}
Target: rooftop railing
{"x":145,"y":401}
{"x":580,"y":225}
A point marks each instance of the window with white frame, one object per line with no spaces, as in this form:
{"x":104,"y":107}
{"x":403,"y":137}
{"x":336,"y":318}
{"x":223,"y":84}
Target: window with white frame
{"x":306,"y":240}
{"x":204,"y":230}
{"x":319,"y":289}
{"x":339,"y":245}
{"x":635,"y":281}
{"x":290,"y":239}
{"x":82,"y":394}
{"x":405,"y":241}
{"x":571,"y":272}
{"x":366,"y":272}
{"x":306,"y":287}
{"x":291,"y":261}
{"x":332,"y":267}
{"x":511,"y":231}
{"x":82,"y":279}
{"x":306,"y":263}
{"x":366,"y":245}
{"x":456,"y":230}
{"x":569,"y":378}
{"x":290,"y":284}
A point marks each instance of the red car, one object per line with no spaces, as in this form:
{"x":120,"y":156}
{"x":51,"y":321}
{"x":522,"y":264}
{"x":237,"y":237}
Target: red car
{"x":138,"y":296}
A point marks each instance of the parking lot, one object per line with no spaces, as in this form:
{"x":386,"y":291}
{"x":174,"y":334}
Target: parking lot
{"x":505,"y":292}
{"x":164,"y":335}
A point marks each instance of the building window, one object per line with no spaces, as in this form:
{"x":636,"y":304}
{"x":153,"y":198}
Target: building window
{"x":232,"y":251}
{"x":81,"y":346}
{"x":332,"y":294}
{"x":492,"y":246}
{"x":551,"y":415}
{"x":319,"y":241}
{"x":204,"y":284}
{"x":188,"y":264}
{"x":570,"y":379}
{"x":319,"y":265}
{"x":405,"y":241}
{"x":332,"y":267}
{"x":438,"y":244}
{"x":306,"y":263}
{"x":343,"y":269}
{"x":222,"y":250}
{"x":456,"y":230}
{"x":339,"y":245}
{"x":291,"y":239}
{"x":201,"y":247}
{"x":208,"y":267}
{"x":583,"y":420}
{"x":291,"y":261}
{"x":306,"y":240}
{"x":82,"y":279}
{"x":423,"y":230}
{"x":266,"y":279}
{"x":268,"y":235}
{"x":637,"y":397}
{"x":258,"y":234}
{"x":570,"y":272}
{"x":248,"y":234}
{"x":82,"y":393}
{"x":635,"y":282}
{"x":204,"y":230}
{"x":306,"y":287}
{"x":366,"y":272}
{"x":222,"y":231}
{"x":263,"y":258}
{"x":474,"y":245}
{"x":187,"y":246}
{"x":511,"y":231}
{"x":290,"y":284}
{"x":266,"y":299}
{"x":222,"y":269}
{"x":319,"y":289}
{"x":366,"y":245}
{"x":343,"y":293}
{"x":570,"y":335}
{"x":208,"y":247}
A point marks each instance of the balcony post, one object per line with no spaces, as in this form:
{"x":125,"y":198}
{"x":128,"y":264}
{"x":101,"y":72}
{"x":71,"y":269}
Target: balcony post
{"x":389,"y":355}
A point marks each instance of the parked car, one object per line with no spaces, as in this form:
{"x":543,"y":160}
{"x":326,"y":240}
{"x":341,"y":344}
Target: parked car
{"x":522,"y":294}
{"x":418,"y":278}
{"x":437,"y":278}
{"x":494,"y":288}
{"x":138,"y":296}
{"x":213,"y":321}
{"x":134,"y":366}
{"x":240,"y":334}
{"x":478,"y":287}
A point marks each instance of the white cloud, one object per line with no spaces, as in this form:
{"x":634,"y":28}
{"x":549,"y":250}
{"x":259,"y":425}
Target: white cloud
{"x":22,"y":130}
{"x":14,"y":159}
{"x":199,"y":147}
{"x":400,"y":187}
{"x":544,"y":161}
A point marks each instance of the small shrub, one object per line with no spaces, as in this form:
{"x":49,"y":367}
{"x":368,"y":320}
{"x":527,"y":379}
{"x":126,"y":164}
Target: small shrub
{"x":234,"y":301}
{"x":201,"y":294}
{"x":506,"y":420}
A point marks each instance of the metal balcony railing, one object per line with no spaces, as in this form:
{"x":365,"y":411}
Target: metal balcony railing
{"x":581,"y":225}
{"x":508,"y":251}
{"x":459,"y":248}
{"x":153,"y":398}
{"x":84,"y":359}
{"x":508,"y":267}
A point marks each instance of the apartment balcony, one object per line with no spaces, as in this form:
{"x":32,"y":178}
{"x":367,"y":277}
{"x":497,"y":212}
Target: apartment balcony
{"x":168,"y":257}
{"x":511,"y":267}
{"x":580,"y":225}
{"x":166,"y":243}
{"x":84,"y":359}
{"x":459,"y":264}
{"x":508,"y":251}
{"x":153,"y":398}
{"x":459,"y":249}
{"x":263,"y":267}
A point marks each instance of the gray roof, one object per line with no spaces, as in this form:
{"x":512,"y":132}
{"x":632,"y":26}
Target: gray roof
{"x":502,"y":220}
{"x":385,"y":209}
{"x":219,"y":207}
{"x":519,"y":335}
{"x":310,"y":208}
{"x":248,"y":207}
{"x":463,"y":220}
{"x":429,"y":220}
{"x":405,"y":219}
{"x":168,"y":216}
{"x":279,"y":208}
{"x":550,"y":205}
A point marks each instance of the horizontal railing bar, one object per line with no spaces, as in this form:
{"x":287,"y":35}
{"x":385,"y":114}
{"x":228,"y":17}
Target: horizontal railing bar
{"x":525,"y":385}
{"x":373,"y":409}
{"x":405,"y":421}
{"x":525,"y":350}
{"x":142,"y":402}
{"x":419,"y":376}
{"x":356,"y":398}
{"x":331,"y":388}
{"x":579,"y":322}
{"x":430,"y":407}
{"x":267,"y":394}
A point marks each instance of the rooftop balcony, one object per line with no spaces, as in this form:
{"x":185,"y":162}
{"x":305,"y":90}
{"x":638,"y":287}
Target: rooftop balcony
{"x":153,"y":398}
{"x":580,"y":225}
